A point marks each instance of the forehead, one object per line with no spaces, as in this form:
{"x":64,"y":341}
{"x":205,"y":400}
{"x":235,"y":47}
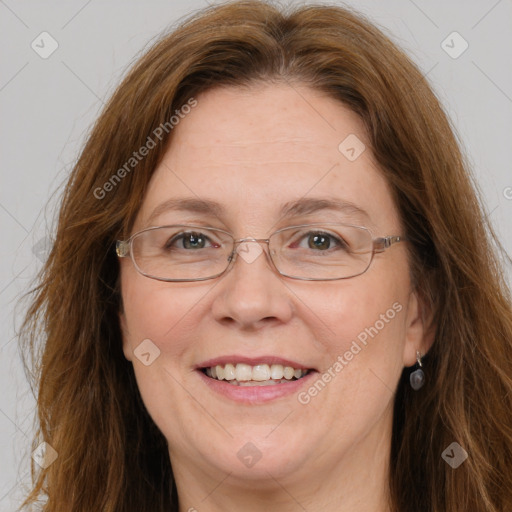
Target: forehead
{"x":267,"y":118}
{"x":254,"y":150}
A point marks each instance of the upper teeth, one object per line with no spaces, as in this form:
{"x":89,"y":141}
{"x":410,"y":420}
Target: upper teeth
{"x":260,"y":372}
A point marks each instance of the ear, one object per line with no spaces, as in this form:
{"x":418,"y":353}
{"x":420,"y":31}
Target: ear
{"x":419,"y":329}
{"x":127,"y":349}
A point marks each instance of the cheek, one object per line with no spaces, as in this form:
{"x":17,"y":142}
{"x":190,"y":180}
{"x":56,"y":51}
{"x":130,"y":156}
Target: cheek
{"x":164,"y":313}
{"x":354,"y":311}
{"x":359,"y":325}
{"x":160,"y":319}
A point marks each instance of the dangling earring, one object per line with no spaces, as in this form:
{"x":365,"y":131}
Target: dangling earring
{"x":417,"y":377}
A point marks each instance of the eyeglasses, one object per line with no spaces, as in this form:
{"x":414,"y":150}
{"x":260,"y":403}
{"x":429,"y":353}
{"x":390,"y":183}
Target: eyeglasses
{"x":311,"y":252}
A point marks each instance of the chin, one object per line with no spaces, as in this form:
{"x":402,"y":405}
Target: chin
{"x":259,"y":455}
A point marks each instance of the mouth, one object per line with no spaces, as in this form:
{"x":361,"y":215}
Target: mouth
{"x":261,"y":374}
{"x":254,"y":380}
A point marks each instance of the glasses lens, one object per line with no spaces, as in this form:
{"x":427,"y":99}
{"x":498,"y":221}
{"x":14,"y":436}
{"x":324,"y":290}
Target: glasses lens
{"x":327,"y":251}
{"x":181,"y":252}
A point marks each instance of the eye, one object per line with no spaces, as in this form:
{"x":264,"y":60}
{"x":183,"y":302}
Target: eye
{"x":190,"y":240}
{"x":320,"y":241}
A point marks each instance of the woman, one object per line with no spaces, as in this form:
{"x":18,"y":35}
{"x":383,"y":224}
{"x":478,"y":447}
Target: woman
{"x":272,"y":286}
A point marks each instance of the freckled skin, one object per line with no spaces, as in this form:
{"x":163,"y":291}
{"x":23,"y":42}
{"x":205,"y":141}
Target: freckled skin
{"x":252,"y":151}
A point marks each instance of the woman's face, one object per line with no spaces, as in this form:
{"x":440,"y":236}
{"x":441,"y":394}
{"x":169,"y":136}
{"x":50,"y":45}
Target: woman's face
{"x":252,"y":152}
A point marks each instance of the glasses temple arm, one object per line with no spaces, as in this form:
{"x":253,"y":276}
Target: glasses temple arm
{"x":380,"y":244}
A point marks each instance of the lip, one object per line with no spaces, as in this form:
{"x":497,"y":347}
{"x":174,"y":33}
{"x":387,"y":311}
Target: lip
{"x":252,"y":361}
{"x":256,"y":394}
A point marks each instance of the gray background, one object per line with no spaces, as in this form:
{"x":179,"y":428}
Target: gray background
{"x":48,"y":105}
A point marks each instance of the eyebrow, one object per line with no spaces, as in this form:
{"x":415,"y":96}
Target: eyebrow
{"x":302,"y":206}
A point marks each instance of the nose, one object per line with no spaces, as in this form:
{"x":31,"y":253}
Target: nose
{"x":252,"y":293}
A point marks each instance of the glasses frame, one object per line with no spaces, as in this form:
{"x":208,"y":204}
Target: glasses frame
{"x":379,"y":245}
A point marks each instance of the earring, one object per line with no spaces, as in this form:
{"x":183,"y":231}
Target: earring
{"x":417,"y":377}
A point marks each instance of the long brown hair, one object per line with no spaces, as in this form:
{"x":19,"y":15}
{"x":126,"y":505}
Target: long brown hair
{"x":112,"y":457}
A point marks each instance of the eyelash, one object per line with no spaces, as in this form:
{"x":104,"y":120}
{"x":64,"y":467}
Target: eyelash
{"x":339,"y":241}
{"x":181,"y":236}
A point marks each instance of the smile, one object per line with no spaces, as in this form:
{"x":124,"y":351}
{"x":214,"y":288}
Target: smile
{"x":241,"y":374}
